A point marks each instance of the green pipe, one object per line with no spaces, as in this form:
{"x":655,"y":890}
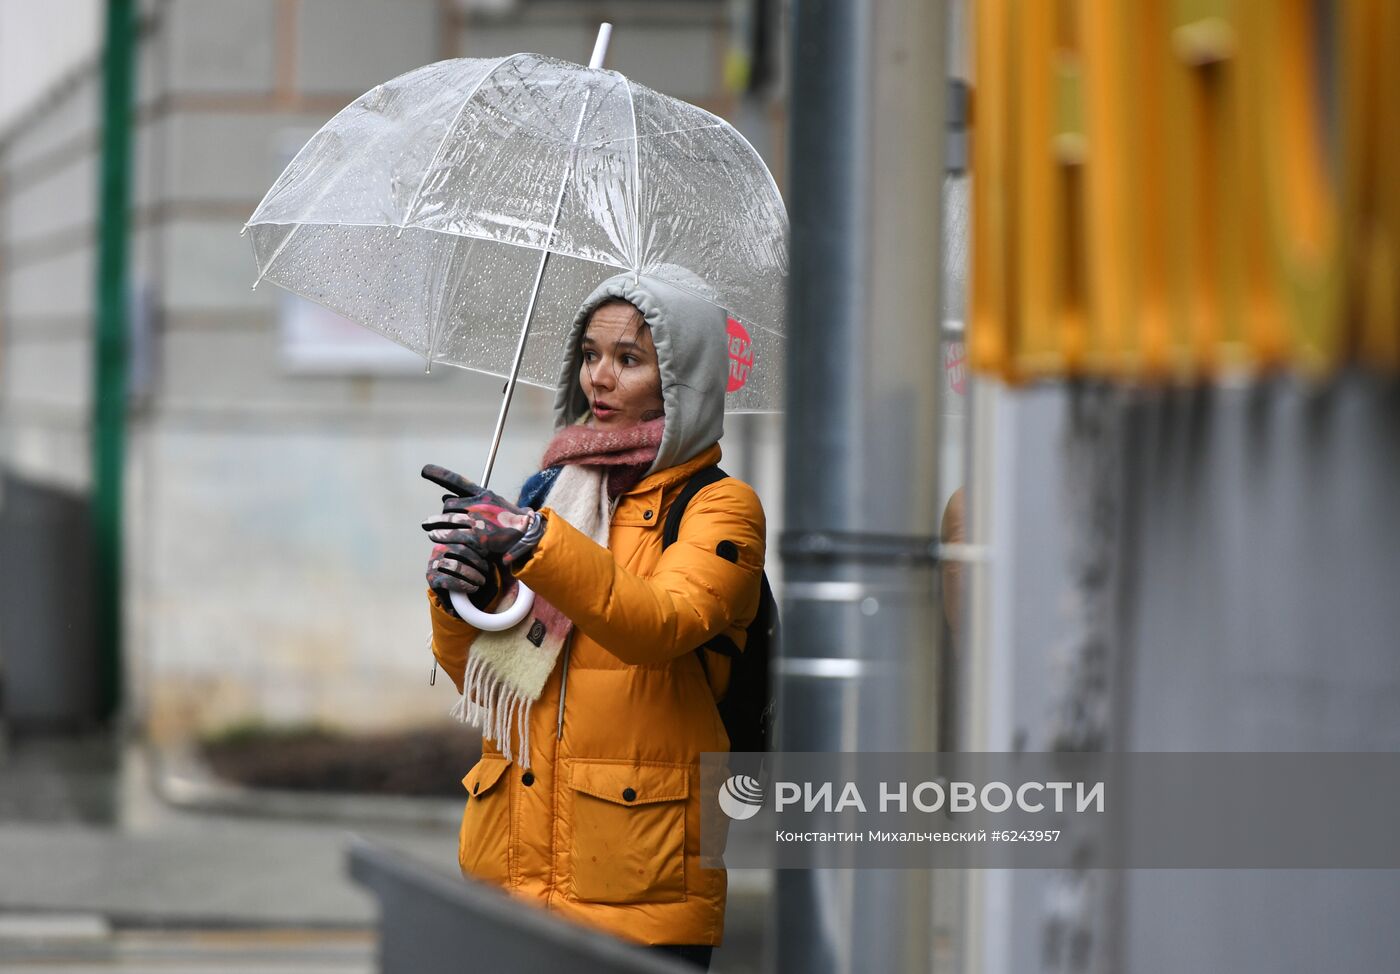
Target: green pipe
{"x":110,"y":347}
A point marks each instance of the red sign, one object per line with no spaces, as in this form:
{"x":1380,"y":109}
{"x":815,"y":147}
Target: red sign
{"x":955,"y":366}
{"x":740,"y":354}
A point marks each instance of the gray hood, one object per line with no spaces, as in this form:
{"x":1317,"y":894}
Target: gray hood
{"x":689,"y":334}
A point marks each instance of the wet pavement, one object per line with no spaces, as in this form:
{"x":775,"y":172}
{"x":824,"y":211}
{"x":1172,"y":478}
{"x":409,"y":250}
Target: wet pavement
{"x":98,"y":874}
{"x":81,"y":830}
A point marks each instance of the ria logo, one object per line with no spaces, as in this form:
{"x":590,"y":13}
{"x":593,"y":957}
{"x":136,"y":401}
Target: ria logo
{"x":741,"y":797}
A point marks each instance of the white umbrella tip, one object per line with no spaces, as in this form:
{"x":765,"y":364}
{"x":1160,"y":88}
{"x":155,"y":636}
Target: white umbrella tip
{"x":600,"y":46}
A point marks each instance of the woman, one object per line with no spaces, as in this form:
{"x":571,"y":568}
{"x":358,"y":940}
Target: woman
{"x":596,"y":707}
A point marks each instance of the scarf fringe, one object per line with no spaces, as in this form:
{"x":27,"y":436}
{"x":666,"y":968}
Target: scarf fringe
{"x":501,"y":713}
{"x":506,"y":671}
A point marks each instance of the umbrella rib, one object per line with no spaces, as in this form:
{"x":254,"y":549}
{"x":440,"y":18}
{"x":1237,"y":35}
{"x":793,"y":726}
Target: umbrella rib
{"x":636,"y":187}
{"x":263,"y":271}
{"x":772,"y":183}
{"x":721,"y":123}
{"x":304,"y":150}
{"x":655,"y":135}
{"x":408,"y":212}
{"x":446,"y":293}
{"x":296,"y":228}
{"x":469,"y":236}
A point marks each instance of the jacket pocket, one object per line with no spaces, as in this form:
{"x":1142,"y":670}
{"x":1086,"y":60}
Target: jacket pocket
{"x":628,"y":832}
{"x":483,"y":843}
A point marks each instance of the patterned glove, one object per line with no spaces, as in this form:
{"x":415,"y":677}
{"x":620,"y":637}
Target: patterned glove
{"x":465,"y":568}
{"x":498,"y":526}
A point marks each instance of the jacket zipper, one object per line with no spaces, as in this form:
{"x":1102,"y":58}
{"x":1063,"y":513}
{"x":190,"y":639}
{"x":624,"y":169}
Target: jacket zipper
{"x":564,"y":685}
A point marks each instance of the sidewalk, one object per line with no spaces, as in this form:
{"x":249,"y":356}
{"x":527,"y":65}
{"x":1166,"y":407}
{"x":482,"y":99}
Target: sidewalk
{"x":81,"y":830}
{"x":29,"y":950}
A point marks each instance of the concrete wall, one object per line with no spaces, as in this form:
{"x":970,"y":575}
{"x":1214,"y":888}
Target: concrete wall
{"x":273,"y":556}
{"x":1192,"y":570}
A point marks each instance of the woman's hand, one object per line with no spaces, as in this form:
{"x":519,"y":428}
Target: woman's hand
{"x":460,"y":567}
{"x":486,"y":518}
{"x":463,"y":568}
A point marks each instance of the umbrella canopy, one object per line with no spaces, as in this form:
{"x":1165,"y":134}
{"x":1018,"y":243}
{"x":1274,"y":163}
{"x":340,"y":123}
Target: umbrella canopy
{"x":422,"y":211}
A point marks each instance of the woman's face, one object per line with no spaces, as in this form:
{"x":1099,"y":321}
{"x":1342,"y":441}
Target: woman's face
{"x":619,"y":371}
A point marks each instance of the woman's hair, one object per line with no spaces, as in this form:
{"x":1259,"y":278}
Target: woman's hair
{"x":639,"y":319}
{"x":634,"y":334}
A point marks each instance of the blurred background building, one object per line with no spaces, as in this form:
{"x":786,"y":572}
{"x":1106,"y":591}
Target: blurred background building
{"x":272,"y":557}
{"x":271,"y":573}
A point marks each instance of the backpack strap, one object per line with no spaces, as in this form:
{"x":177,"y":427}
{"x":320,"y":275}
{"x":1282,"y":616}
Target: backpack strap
{"x":747,"y":709}
{"x":698,"y":481}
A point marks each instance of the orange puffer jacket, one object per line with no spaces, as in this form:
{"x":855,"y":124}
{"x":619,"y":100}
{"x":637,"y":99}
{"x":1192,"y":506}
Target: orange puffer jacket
{"x":605,"y":826}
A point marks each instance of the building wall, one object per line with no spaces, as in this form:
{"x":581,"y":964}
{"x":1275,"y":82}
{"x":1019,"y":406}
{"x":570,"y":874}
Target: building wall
{"x":273,"y":556}
{"x":39,"y":43}
{"x":1203,"y":569}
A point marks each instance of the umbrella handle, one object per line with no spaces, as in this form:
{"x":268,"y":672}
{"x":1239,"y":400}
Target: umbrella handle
{"x":494,"y":621}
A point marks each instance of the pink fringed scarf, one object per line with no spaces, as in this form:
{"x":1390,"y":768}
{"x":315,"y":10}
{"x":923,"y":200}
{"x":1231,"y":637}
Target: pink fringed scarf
{"x":507,"y":670}
{"x":626,"y":452}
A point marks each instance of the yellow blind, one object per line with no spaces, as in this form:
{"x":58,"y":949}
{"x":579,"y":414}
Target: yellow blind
{"x":1161,"y":190}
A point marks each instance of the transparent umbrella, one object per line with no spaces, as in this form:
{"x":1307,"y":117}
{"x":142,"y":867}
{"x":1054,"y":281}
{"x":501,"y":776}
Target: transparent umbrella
{"x":467,"y":208}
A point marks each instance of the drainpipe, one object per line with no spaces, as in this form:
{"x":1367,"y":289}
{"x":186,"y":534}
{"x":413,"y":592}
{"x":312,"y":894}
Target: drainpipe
{"x":856,"y":671}
{"x":109,"y":372}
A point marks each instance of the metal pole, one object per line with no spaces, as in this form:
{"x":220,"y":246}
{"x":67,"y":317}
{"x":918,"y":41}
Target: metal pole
{"x":856,"y":671}
{"x":600,"y":52}
{"x":110,"y":351}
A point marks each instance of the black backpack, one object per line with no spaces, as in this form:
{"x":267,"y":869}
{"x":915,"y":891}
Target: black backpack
{"x":747,"y":707}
